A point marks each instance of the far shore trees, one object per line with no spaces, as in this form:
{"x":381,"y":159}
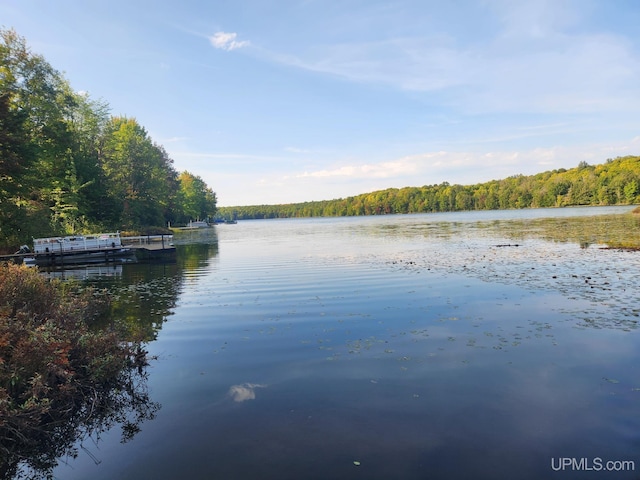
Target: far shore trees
{"x":615,"y":182}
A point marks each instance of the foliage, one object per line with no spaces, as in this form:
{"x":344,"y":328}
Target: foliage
{"x":139,"y":173}
{"x":615,"y":182}
{"x":67,"y":167}
{"x":198,"y":200}
{"x":59,"y":379}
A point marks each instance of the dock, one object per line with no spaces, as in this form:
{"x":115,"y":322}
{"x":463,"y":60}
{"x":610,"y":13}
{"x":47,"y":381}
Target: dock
{"x":151,"y":247}
{"x":126,"y":249}
{"x":79,"y":257}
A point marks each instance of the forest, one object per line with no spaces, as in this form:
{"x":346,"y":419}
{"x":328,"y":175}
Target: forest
{"x":615,"y":182}
{"x":67,"y":166}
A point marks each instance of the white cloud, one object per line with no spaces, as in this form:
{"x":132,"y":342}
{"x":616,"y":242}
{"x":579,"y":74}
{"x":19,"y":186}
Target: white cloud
{"x":377,"y":170}
{"x":227,"y":41}
{"x":466,"y":167}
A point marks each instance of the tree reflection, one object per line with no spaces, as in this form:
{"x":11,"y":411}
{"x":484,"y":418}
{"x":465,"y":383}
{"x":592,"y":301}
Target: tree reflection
{"x":144,"y":296}
{"x":31,"y":450}
{"x":62,"y":379}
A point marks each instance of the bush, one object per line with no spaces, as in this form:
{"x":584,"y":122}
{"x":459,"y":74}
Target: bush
{"x":59,"y":379}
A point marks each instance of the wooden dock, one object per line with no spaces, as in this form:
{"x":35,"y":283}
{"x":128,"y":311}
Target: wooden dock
{"x":151,"y":247}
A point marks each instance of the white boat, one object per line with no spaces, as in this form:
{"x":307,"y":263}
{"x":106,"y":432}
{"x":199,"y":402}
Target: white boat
{"x":77,"y":243}
{"x":77,"y":249}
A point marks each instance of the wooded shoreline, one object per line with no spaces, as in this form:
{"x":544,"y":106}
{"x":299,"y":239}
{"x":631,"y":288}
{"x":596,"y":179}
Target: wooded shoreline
{"x":68,"y":167}
{"x":615,"y":182}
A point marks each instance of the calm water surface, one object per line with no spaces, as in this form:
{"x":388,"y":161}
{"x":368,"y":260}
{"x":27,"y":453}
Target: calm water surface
{"x":447,"y":346}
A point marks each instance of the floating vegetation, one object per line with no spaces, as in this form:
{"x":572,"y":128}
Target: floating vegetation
{"x":551,"y":254}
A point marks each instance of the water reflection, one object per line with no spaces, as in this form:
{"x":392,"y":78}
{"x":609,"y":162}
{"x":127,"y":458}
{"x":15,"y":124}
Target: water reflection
{"x":589,"y":256}
{"x":34,"y":453}
{"x":415,"y":345}
{"x":586,"y":227}
{"x":142,"y":297}
{"x":620,"y":230}
{"x":89,"y":272}
{"x":244,"y":392}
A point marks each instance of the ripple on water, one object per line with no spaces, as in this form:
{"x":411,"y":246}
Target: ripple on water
{"x":415,"y":347}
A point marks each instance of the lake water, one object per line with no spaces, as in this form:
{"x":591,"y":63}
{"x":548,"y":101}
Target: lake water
{"x":484,"y":345}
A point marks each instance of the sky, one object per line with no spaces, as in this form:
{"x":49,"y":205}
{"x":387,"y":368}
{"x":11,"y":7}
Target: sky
{"x":284,"y":101}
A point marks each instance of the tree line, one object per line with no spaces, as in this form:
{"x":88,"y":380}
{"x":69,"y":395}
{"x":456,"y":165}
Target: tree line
{"x":68,"y":166}
{"x":615,"y":182}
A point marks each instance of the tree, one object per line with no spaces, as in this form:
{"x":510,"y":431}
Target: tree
{"x":35,"y":100}
{"x":87,"y":124}
{"x":615,"y":182}
{"x":15,"y":157}
{"x":631,"y":191}
{"x":138,"y":174}
{"x":43,"y":101}
{"x":198,"y":200}
{"x":66,"y":166}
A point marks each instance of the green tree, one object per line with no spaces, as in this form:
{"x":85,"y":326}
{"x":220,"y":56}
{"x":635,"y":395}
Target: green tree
{"x":15,"y":158}
{"x":37,"y":100}
{"x":87,"y":125}
{"x":66,"y":166}
{"x":198,"y":200}
{"x":138,"y":174}
{"x":631,"y":191}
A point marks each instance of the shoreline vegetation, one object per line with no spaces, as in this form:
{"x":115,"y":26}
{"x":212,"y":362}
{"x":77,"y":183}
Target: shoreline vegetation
{"x":67,"y":166}
{"x":615,"y":182}
{"x":62,"y":379}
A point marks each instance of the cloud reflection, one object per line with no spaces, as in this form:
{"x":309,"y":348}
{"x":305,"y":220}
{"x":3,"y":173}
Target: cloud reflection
{"x":244,"y":391}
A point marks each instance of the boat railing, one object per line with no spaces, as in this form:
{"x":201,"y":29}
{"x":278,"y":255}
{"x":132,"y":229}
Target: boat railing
{"x":76,"y":243}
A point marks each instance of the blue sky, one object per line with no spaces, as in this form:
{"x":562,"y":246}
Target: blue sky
{"x":295,"y":100}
